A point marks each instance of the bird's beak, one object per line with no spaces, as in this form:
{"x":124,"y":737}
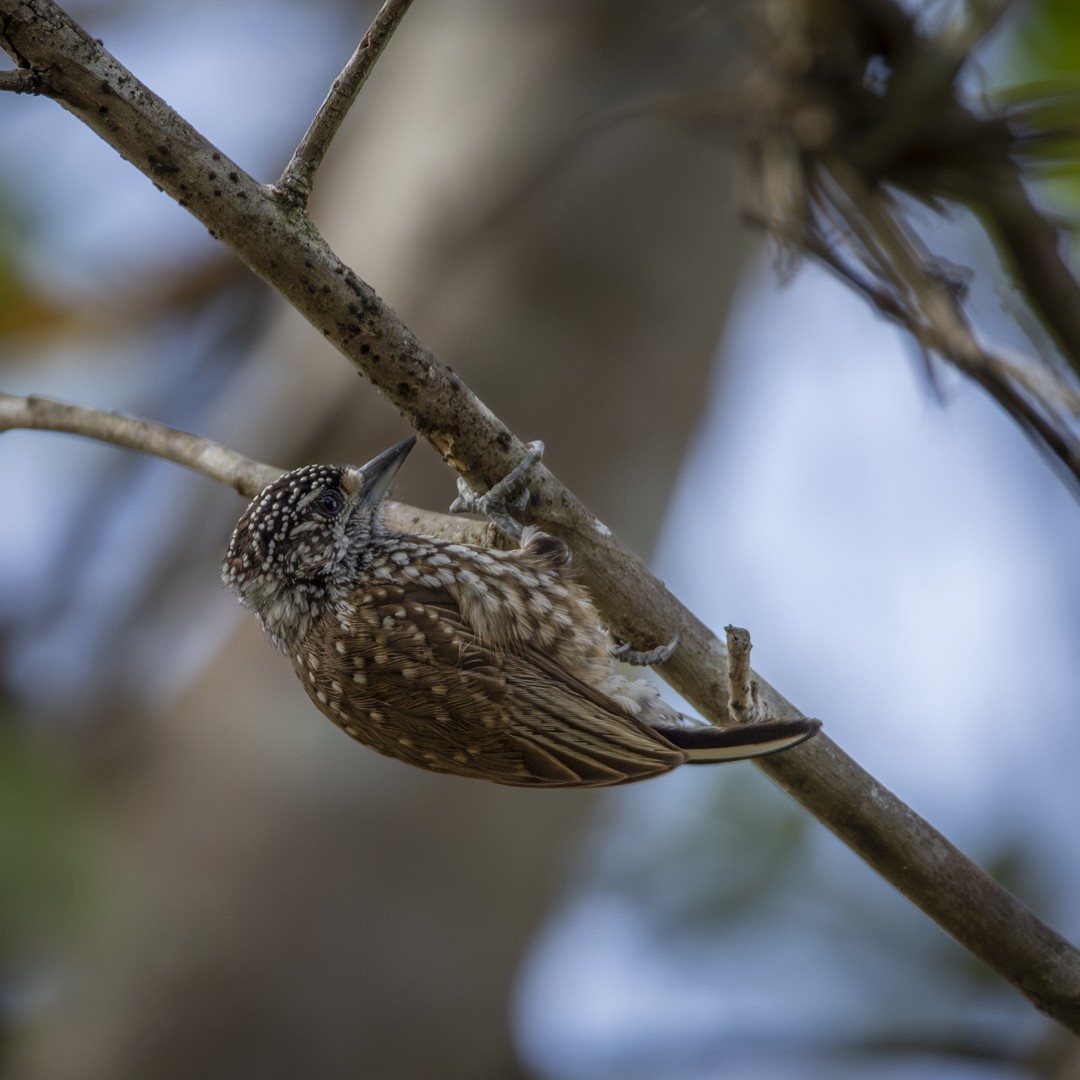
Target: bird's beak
{"x":378,"y":474}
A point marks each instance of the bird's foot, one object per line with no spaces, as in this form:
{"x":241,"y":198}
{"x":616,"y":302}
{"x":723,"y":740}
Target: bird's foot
{"x":645,"y":657}
{"x":509,"y":494}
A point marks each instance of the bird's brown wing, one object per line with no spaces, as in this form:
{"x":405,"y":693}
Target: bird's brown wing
{"x":408,"y":677}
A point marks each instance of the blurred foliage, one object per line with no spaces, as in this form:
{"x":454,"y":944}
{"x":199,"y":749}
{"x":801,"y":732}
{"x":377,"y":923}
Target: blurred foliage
{"x":1047,"y":42}
{"x":23,"y":308}
{"x":1042,"y":68}
{"x":48,"y":852}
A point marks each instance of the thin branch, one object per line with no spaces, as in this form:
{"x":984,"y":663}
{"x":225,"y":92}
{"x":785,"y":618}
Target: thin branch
{"x":870,"y":248}
{"x":210,"y":459}
{"x":742,"y":692}
{"x":19,"y":81}
{"x":287,"y":251}
{"x":1034,"y":248}
{"x":1030,"y":394}
{"x":299,"y":175}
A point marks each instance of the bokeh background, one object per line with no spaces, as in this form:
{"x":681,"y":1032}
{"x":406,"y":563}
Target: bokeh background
{"x":200,"y":877}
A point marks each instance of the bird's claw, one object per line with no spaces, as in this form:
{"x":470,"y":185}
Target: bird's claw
{"x":509,"y":494}
{"x":646,"y":657}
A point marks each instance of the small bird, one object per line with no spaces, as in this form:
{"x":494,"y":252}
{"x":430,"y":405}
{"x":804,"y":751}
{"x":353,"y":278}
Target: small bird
{"x":459,"y":659}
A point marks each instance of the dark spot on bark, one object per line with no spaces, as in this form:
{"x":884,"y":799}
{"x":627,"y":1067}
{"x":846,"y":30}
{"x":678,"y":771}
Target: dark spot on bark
{"x":216,"y":156}
{"x":217,"y":193}
{"x":163,"y":150}
{"x":234,"y":177}
{"x":304,"y":279}
{"x":454,"y":381}
{"x":211,"y":175}
{"x":365,"y":348}
{"x":503,"y":439}
{"x":406,"y":390}
{"x":162,"y":168}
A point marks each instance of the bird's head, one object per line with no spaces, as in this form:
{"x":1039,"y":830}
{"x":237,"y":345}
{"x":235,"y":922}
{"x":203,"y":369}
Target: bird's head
{"x":302,"y":540}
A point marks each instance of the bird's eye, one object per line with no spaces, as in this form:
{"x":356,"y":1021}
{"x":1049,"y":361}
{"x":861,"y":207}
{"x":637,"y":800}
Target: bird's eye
{"x":329,"y":503}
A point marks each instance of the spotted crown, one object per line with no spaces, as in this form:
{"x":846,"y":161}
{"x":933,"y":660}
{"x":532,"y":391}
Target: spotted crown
{"x":290,"y":547}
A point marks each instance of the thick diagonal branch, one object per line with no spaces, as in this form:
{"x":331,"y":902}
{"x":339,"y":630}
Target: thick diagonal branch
{"x":284,"y":248}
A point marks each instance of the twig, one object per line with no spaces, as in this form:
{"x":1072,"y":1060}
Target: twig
{"x":896,"y":278}
{"x":299,"y":175}
{"x":742,"y":699}
{"x":1034,"y":250}
{"x":19,"y":81}
{"x":1005,"y":380}
{"x":286,"y":250}
{"x":211,"y":459}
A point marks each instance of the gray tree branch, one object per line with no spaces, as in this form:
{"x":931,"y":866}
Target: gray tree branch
{"x":299,"y":174}
{"x":210,"y":459}
{"x":282,"y":246}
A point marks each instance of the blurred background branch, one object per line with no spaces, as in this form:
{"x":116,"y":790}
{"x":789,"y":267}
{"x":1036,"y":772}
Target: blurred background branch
{"x":861,"y":117}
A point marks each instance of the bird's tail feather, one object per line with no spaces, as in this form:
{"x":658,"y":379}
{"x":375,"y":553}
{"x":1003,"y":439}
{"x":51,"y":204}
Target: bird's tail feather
{"x":708,"y":745}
